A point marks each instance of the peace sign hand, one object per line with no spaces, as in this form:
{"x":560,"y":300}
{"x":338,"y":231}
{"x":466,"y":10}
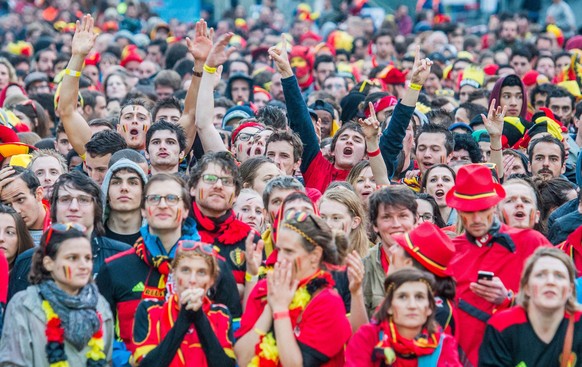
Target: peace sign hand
{"x":494,"y":120}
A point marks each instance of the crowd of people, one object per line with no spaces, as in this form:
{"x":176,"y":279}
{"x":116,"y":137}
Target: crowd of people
{"x":327,"y":190}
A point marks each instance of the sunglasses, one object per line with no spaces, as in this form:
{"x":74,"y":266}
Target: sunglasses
{"x":299,"y":217}
{"x":62,"y":228}
{"x":189,"y":245}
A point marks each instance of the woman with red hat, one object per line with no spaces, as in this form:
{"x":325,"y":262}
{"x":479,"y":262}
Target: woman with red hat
{"x":403,"y":332}
{"x":487,"y":246}
{"x":427,"y":248}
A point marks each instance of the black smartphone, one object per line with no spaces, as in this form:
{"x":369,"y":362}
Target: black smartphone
{"x":487,"y":275}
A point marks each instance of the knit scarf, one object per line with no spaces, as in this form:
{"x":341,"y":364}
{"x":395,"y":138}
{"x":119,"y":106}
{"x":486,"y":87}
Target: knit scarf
{"x":226,"y":229}
{"x":392,"y":345}
{"x":78,"y":313}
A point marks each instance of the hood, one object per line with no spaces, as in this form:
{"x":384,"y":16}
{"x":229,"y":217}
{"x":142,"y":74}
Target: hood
{"x":239,"y":76}
{"x":496,"y":93}
{"x":120,"y":164}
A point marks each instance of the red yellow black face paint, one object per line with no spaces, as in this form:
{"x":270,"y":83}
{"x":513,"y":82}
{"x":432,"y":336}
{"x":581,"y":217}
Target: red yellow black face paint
{"x":297,"y":265}
{"x":179,"y":215}
{"x":231,"y":199}
{"x":180,"y":282}
{"x":67,"y":271}
{"x":124,"y":126}
{"x":200,"y":194}
{"x":150,"y":211}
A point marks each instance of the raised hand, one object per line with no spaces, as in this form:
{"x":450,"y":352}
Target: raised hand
{"x":355,"y":272}
{"x":279,"y":55}
{"x":494,"y":120}
{"x":371,"y":125}
{"x":201,"y":45}
{"x":253,"y":254}
{"x":84,"y":37}
{"x":219,"y":53}
{"x":281,"y":286}
{"x":420,"y":69}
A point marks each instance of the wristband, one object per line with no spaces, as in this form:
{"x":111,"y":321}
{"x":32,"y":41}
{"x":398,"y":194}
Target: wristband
{"x":281,"y":315}
{"x":496,"y":150}
{"x":209,"y":70}
{"x":251,"y":278}
{"x":259,"y":332}
{"x":196,"y":73}
{"x":374,"y":153}
{"x":73,"y":73}
{"x":415,"y":86}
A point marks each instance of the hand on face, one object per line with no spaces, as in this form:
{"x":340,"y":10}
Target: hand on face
{"x":191,"y":299}
{"x":281,"y":286}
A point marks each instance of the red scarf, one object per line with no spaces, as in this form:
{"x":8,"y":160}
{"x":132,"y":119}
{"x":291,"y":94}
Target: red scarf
{"x":226,"y":229}
{"x":388,"y":338}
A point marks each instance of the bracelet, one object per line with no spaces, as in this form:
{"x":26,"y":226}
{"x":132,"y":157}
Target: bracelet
{"x":374,"y":153}
{"x":281,"y":315}
{"x":196,"y":73}
{"x":259,"y":332}
{"x":496,"y":150}
{"x":251,"y":278}
{"x":209,"y":70}
{"x":415,"y":86}
{"x":73,"y":73}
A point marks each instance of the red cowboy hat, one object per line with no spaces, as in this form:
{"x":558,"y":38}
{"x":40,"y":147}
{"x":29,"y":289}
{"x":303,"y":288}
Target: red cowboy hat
{"x":474,"y":189}
{"x":430,"y":246}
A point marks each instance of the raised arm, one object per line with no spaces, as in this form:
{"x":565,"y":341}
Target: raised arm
{"x":494,"y":125}
{"x":76,"y":127}
{"x":371,"y":128}
{"x":393,"y":135}
{"x":199,"y":48}
{"x":209,"y":136}
{"x":299,"y":118}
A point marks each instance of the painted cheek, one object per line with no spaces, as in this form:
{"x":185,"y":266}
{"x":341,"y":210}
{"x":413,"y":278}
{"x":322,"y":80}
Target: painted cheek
{"x":150,"y":211}
{"x":179,"y":215}
{"x":231,"y":199}
{"x":180,"y":282}
{"x":201,"y":194}
{"x":535,"y":290}
{"x":67,"y":272}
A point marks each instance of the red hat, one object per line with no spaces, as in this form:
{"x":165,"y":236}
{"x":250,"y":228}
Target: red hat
{"x":244,"y":126}
{"x":129,"y":54}
{"x":530,"y":78}
{"x":391,"y":75}
{"x":381,"y":104}
{"x":491,"y":69}
{"x":93,"y":59}
{"x":257,"y":90}
{"x":7,"y":135}
{"x":474,"y":189}
{"x":310,"y":35}
{"x":430,"y":246}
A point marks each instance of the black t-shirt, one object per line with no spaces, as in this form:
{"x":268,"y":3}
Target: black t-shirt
{"x":130,"y":239}
{"x":510,"y":340}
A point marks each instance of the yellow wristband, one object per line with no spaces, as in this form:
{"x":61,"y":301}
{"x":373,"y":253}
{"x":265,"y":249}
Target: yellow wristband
{"x":415,"y":86}
{"x":259,"y":332}
{"x":209,"y":70}
{"x":73,"y":73}
{"x":251,"y":278}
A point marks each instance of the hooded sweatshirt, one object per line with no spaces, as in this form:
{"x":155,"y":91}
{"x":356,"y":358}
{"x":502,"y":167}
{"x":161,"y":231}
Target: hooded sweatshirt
{"x":239,"y":76}
{"x":117,"y":166}
{"x":496,"y":93}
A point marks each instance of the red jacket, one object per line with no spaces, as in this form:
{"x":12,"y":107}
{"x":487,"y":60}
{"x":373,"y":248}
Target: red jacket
{"x":505,"y":262}
{"x":573,"y":247}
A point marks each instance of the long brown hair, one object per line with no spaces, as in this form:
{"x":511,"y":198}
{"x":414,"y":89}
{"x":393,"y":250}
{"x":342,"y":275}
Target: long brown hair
{"x":395,"y":280}
{"x":523,"y":299}
{"x":24,"y":241}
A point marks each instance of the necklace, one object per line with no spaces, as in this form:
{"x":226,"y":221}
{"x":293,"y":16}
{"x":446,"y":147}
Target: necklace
{"x":55,"y":335}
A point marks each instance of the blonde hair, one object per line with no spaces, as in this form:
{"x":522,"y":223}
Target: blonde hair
{"x":523,"y":299}
{"x":11,"y":71}
{"x":358,"y":237}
